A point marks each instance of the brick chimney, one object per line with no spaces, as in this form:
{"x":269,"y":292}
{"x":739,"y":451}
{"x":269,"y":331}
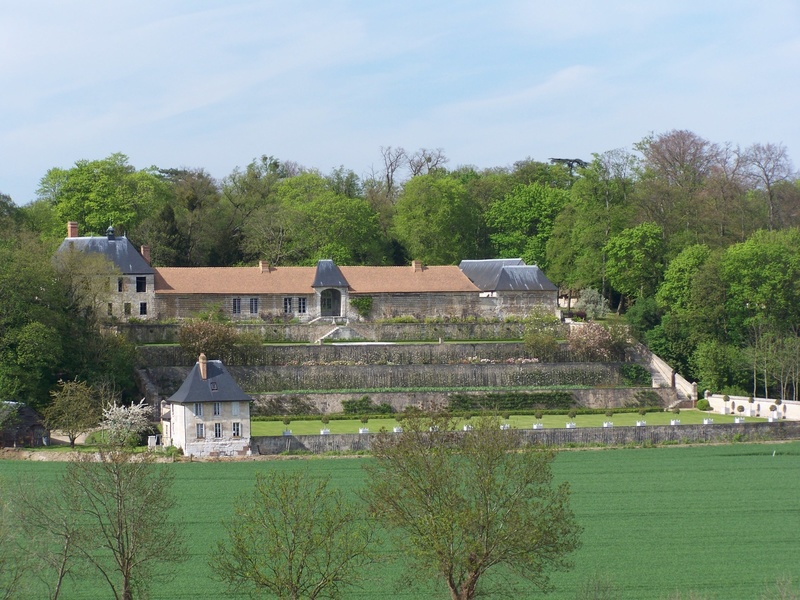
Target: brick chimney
{"x":263,"y":266}
{"x":72,"y":229}
{"x":416,"y":265}
{"x":203,"y":366}
{"x":145,"y":252}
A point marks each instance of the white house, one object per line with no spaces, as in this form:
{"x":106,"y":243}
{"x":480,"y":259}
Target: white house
{"x":209,"y":415}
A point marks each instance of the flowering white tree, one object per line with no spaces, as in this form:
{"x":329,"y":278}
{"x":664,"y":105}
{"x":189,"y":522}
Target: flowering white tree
{"x":124,"y":424}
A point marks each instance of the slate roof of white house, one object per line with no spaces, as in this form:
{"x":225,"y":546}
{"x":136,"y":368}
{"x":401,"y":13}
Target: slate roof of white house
{"x":219,"y":386}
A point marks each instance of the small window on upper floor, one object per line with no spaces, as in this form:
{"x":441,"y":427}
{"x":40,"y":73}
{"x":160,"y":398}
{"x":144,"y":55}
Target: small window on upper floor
{"x":141,"y":284}
{"x":120,"y":284}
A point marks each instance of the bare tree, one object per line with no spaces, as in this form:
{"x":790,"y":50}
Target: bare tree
{"x":393,"y":160}
{"x":424,"y":161}
{"x":767,"y":165}
{"x":126,"y":529}
{"x":294,"y":538}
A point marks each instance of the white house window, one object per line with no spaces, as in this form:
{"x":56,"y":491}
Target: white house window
{"x":287,"y":305}
{"x":217,"y":430}
{"x":201,"y":430}
{"x":141,"y":285}
{"x":237,"y":429}
{"x":217,"y":409}
{"x":198,"y":409}
{"x":235,"y":409}
{"x":253,"y":306}
{"x":237,"y":306}
{"x":301,"y":305}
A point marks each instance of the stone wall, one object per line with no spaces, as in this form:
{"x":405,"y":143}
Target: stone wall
{"x":262,"y":379}
{"x":586,"y":436}
{"x":151,"y":333}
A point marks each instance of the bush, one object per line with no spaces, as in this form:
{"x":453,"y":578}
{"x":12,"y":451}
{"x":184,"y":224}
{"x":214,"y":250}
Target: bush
{"x":508,"y":401}
{"x":541,"y":345}
{"x":676,"y":411}
{"x":573,"y":413}
{"x":592,"y":301}
{"x":740,"y":408}
{"x":538,"y":414}
{"x":325,"y":419}
{"x":215,"y":340}
{"x":364,"y":419}
{"x":364,"y":405}
{"x":591,"y":342}
{"x":635,"y":375}
{"x":642,"y":411}
{"x":703,"y":404}
{"x":609,"y":413}
{"x":286,"y":421}
{"x":362,"y":304}
{"x":506,"y":416}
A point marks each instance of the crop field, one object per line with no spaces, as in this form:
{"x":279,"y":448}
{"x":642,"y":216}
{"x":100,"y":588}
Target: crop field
{"x":719,"y":521}
{"x":686,"y":417}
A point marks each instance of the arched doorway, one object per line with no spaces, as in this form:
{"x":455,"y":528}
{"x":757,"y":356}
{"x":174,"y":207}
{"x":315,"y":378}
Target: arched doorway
{"x":330,"y":303}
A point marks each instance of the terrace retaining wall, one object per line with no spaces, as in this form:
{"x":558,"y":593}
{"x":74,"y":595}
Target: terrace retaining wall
{"x":585,"y":436}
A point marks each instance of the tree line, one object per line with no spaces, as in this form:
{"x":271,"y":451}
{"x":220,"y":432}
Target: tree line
{"x":695,"y":238}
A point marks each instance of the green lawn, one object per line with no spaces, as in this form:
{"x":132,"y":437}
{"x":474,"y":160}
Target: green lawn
{"x":717,"y":520}
{"x":687,"y":417}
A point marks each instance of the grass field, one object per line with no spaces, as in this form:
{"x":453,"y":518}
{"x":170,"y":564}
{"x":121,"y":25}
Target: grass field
{"x":687,"y":417}
{"x":721,"y":521}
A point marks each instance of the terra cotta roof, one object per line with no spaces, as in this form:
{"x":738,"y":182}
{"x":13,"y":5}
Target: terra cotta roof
{"x":299,"y":280}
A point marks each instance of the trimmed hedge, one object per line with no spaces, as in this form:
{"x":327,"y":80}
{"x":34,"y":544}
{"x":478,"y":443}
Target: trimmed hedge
{"x":512,"y":401}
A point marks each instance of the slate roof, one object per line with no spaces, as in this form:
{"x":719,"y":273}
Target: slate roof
{"x":302,"y":280}
{"x":506,"y":275}
{"x":328,"y":275}
{"x":219,"y":386}
{"x":118,"y":250}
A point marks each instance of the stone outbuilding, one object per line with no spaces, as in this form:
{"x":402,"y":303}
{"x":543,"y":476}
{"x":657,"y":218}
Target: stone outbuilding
{"x":209,"y":415}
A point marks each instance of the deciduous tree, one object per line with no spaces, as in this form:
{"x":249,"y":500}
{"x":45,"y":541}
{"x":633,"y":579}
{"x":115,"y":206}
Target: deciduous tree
{"x":294,"y":538}
{"x":75,"y":409}
{"x":469,"y":507}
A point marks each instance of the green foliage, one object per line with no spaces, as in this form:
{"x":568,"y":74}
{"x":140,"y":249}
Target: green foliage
{"x":703,"y":404}
{"x":635,"y":375}
{"x":592,"y":342}
{"x":437,"y":221}
{"x":675,"y":292}
{"x":635,"y":260}
{"x":364,"y":405}
{"x":643,"y":316}
{"x":541,"y":345}
{"x":76,"y":408}
{"x":592,"y":303}
{"x":522,"y":222}
{"x":362,"y":304}
{"x":439,"y":492}
{"x":294,"y":538}
{"x":510,"y":401}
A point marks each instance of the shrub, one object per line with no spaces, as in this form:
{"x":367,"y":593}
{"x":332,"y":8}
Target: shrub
{"x":609,"y":413}
{"x":538,"y":414}
{"x":542,"y":345}
{"x":362,"y":304}
{"x":286,"y":420}
{"x":214,"y":339}
{"x":573,"y":413}
{"x":507,"y":401}
{"x":773,"y":408}
{"x":364,"y":405}
{"x":506,"y":416}
{"x":703,"y":404}
{"x":751,"y":400}
{"x":593,"y":303}
{"x":642,"y":411}
{"x":740,"y":408}
{"x":778,"y":402}
{"x":325,"y":419}
{"x":676,"y":410}
{"x":364,"y":419}
{"x":635,"y":375}
{"x":467,"y":416}
{"x":591,"y":342}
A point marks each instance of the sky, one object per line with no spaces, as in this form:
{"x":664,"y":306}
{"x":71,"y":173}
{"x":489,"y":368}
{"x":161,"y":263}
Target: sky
{"x":216,"y":84}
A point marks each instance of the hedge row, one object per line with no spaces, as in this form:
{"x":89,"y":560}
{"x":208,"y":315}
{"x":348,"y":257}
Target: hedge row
{"x":512,"y":401}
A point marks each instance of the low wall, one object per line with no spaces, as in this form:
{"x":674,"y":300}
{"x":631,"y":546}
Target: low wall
{"x":332,"y":403}
{"x":612,"y":436}
{"x":255,"y":380}
{"x":362,"y":354}
{"x":159,"y":333}
{"x":788,"y":409}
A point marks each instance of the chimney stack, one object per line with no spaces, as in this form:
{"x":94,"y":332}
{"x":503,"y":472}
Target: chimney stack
{"x":146,"y":254}
{"x":416,"y":265}
{"x":72,"y":229}
{"x":263,"y":266}
{"x":203,"y":366}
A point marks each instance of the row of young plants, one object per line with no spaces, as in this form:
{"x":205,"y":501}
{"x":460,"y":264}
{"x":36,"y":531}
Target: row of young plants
{"x":464,"y":414}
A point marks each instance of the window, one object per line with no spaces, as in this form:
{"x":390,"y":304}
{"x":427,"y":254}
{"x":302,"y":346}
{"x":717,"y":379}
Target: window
{"x":253,"y":306}
{"x":126,"y":308}
{"x":235,"y":409}
{"x":213,"y":386}
{"x":237,"y":429}
{"x":120,"y":284}
{"x":217,"y":409}
{"x":201,"y":430}
{"x":142,"y":308}
{"x":110,"y":309}
{"x":301,"y":305}
{"x":198,"y":409}
{"x":237,"y":306}
{"x":287,"y":305}
{"x":141,"y":285}
{"x":217,"y":430}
